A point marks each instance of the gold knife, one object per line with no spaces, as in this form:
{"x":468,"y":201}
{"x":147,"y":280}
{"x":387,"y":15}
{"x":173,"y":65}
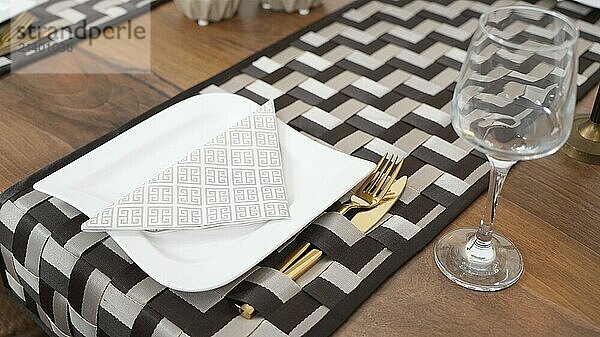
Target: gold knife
{"x":364,"y":221}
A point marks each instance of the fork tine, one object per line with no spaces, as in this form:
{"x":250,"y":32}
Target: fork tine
{"x":373,"y":175}
{"x":381,"y":174}
{"x":392,"y":178}
{"x":384,"y":175}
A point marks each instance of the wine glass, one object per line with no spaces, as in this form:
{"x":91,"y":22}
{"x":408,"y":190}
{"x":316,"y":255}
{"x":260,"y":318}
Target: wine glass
{"x":514,"y":100}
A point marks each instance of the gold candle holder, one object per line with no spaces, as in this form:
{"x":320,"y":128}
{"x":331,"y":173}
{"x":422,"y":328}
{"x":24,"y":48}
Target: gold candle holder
{"x":584,"y":141}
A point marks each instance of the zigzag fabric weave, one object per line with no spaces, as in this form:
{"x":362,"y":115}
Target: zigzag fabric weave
{"x":374,"y":77}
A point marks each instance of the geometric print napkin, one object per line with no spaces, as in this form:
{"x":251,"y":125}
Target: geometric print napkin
{"x":234,"y":179}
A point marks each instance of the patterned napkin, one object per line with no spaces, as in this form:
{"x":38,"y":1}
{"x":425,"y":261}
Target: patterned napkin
{"x":234,"y":179}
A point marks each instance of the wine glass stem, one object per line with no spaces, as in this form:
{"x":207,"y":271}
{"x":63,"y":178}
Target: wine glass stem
{"x":499,"y":171}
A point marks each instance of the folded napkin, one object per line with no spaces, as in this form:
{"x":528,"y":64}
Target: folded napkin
{"x":234,"y":179}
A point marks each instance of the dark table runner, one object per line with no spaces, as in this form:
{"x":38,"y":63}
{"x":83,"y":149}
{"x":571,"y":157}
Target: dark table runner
{"x":373,"y":77}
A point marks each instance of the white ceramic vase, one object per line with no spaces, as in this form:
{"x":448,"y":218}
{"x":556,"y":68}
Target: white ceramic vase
{"x":302,"y":6}
{"x":205,"y":11}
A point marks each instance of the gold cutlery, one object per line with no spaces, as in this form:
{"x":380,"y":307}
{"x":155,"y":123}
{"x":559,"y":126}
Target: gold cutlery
{"x":371,"y":194}
{"x":15,"y":35}
{"x":20,"y":22}
{"x":26,"y":41}
{"x":368,"y":195}
{"x":364,"y":221}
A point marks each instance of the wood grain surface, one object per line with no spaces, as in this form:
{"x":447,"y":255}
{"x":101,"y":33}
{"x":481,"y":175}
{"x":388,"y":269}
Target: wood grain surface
{"x":550,"y":208}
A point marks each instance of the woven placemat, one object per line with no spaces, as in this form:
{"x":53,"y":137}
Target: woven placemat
{"x":374,"y":77}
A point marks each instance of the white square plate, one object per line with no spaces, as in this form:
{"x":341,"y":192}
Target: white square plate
{"x":197,"y":260}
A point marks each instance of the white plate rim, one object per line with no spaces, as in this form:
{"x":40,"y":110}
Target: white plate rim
{"x":178,"y":274}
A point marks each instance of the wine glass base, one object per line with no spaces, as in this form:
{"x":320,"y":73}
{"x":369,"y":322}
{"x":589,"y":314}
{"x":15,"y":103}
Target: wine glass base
{"x":483,"y":268}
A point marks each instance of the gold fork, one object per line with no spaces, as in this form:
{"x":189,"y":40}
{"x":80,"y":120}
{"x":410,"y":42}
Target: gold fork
{"x":21,"y":22}
{"x":368,"y":195}
{"x":375,"y":186}
{"x":13,"y":37}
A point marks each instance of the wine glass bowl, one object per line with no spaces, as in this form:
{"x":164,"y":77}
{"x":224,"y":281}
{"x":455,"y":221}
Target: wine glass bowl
{"x":514,"y":100}
{"x":515,"y":94}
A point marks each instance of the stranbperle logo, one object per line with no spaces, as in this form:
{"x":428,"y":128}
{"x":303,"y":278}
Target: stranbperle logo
{"x":29,"y":36}
{"x":94,"y":48}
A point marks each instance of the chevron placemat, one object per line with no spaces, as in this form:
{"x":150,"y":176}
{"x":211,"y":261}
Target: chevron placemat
{"x":375,"y":77}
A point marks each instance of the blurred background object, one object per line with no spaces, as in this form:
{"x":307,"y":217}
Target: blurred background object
{"x":205,"y":11}
{"x":302,"y":6}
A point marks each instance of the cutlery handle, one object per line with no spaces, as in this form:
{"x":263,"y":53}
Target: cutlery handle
{"x":294,"y":266}
{"x":307,"y":255}
{"x":294,"y":263}
{"x":303,"y":264}
{"x":297,"y":263}
{"x":293,"y":257}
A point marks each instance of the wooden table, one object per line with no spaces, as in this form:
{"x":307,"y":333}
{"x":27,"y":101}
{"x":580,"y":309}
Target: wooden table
{"x":550,"y":207}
